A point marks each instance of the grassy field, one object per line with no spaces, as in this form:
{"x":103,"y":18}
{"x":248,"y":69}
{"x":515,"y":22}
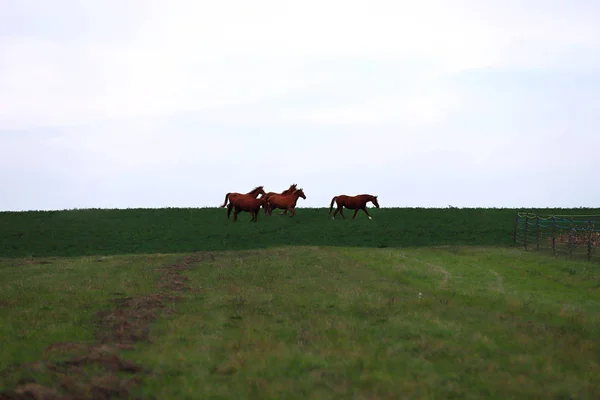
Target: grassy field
{"x":172,"y":230}
{"x":237,"y":311}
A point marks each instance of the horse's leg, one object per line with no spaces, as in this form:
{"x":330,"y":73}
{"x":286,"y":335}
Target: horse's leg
{"x":253,"y":214}
{"x":355,"y":211}
{"x":229,"y":208}
{"x":366,"y":212}
{"x":268,"y":208}
{"x":335,"y":212}
{"x":342,"y":212}
{"x":293,"y":212}
{"x":235,"y":214}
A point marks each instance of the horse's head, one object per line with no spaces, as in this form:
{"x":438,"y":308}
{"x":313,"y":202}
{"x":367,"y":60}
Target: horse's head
{"x":300,"y":193}
{"x":374,"y":201}
{"x":258,"y":190}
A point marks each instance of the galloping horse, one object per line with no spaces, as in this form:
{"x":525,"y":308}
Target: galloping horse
{"x":285,"y":201}
{"x":356,"y":203}
{"x":249,"y":204}
{"x":286,"y":191}
{"x":233,"y":197}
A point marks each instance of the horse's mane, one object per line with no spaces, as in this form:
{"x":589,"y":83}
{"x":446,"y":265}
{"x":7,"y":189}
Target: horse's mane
{"x":290,"y":190}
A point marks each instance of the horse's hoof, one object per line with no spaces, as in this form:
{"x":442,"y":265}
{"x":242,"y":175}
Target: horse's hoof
{"x":370,"y":218}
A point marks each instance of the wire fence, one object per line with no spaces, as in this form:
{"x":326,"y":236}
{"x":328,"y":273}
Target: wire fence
{"x":573,"y":236}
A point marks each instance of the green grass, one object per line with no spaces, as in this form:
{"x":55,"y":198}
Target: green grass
{"x":421,"y":303}
{"x":446,"y":322}
{"x":172,"y":230}
{"x":53,"y":300}
{"x":327,"y":322}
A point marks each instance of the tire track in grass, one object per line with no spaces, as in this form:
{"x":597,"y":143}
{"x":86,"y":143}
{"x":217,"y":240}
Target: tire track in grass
{"x":116,"y":329}
{"x":499,"y":281}
{"x":446,"y":275}
{"x":444,"y":272}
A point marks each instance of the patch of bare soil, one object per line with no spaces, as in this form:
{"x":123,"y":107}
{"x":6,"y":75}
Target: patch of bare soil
{"x":97,"y":371}
{"x":31,"y":261}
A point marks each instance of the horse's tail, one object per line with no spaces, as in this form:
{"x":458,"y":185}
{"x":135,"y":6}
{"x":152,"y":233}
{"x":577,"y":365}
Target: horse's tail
{"x":331,"y":205}
{"x":226,"y":199}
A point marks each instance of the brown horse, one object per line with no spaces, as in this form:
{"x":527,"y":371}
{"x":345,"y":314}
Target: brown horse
{"x":356,"y":203}
{"x":234,"y":196}
{"x":249,"y":204}
{"x":286,"y":191}
{"x":286,"y":201}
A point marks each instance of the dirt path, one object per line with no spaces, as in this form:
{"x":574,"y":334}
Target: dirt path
{"x":116,"y":329}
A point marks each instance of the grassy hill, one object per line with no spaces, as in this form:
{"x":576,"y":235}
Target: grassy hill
{"x":302,"y":322}
{"x":101,"y":231}
{"x":172,"y":303}
{"x":169,"y":230}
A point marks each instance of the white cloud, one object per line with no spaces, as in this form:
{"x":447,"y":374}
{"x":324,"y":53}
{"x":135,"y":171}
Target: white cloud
{"x":124,"y":101}
{"x":187,"y":55}
{"x":50,"y":84}
{"x":421,"y":109}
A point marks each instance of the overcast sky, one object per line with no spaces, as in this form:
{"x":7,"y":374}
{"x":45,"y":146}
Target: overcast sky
{"x":143,"y":103}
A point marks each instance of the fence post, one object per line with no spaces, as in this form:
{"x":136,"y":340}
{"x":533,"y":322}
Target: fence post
{"x":515,"y":230}
{"x":537,"y":232}
{"x":570,"y":237}
{"x":589,"y":241}
{"x":525,"y":232}
{"x":553,"y":235}
{"x":594,"y":241}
